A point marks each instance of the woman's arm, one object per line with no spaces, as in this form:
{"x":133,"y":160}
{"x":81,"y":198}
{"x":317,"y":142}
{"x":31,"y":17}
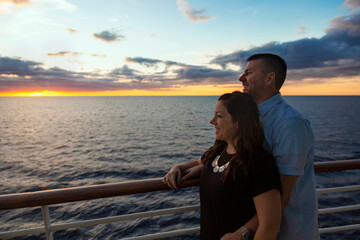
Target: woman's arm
{"x":268,"y":209}
{"x":185,"y":170}
{"x":287,"y":183}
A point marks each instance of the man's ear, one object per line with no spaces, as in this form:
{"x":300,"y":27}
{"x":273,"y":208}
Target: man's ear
{"x":270,"y":79}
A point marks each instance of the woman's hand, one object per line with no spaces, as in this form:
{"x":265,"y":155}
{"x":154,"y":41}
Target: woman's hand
{"x":173,"y":177}
{"x":189,"y":170}
{"x":232,"y":236}
{"x":192,"y":173}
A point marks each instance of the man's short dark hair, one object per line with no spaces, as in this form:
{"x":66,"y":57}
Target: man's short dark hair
{"x":273,"y":63}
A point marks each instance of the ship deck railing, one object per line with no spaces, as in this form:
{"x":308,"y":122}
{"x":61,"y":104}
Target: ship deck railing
{"x":46,"y":198}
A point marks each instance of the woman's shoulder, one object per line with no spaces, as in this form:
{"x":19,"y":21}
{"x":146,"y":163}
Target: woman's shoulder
{"x":262,"y":155}
{"x":263,"y":158}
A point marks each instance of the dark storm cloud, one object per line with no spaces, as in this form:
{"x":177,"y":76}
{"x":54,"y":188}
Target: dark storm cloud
{"x":19,"y":67}
{"x":18,"y":74}
{"x":109,"y":36}
{"x":345,"y":30}
{"x":126,"y":73}
{"x":338,"y":50}
{"x":205,"y":75}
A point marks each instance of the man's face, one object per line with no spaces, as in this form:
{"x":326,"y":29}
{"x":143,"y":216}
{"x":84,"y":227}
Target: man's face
{"x":253,"y":79}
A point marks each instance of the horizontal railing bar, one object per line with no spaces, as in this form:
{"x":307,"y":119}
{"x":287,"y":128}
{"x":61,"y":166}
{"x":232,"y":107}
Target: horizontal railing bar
{"x":97,"y":221}
{"x":22,"y":232}
{"x":338,"y":189}
{"x":65,"y":226}
{"x":165,"y":234}
{"x":50,"y":197}
{"x":339,"y":228}
{"x":65,"y":195}
{"x":339,"y":165}
{"x":339,"y":209}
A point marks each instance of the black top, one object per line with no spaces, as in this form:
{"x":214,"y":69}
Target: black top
{"x":225,"y":207}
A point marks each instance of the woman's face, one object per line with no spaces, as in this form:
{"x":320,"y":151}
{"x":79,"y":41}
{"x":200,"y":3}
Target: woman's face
{"x":225,"y":128}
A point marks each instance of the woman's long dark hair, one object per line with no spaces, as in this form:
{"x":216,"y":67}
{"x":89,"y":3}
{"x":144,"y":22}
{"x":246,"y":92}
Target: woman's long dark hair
{"x":249,"y":135}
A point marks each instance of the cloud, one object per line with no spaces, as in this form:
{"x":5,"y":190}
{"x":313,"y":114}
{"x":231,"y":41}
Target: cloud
{"x":74,"y":54}
{"x":148,"y":62}
{"x":337,"y":53}
{"x":63,"y":53}
{"x":70,"y":30}
{"x":62,"y":5}
{"x":16,"y":74}
{"x":352,"y":4}
{"x":345,"y":30}
{"x":302,"y":30}
{"x":191,"y":14}
{"x":109,"y":36}
{"x":202,"y":75}
{"x":99,"y":55}
{"x":143,"y":61}
{"x":17,"y":2}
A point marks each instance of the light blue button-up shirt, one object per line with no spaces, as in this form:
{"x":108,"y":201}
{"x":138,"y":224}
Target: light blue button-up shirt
{"x":289,"y":138}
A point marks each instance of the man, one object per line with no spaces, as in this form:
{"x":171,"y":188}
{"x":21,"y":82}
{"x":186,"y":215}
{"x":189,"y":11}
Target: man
{"x":289,"y":138}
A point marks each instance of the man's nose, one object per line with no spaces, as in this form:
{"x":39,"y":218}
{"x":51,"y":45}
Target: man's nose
{"x":241,"y":77}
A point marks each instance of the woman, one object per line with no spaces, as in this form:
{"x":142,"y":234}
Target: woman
{"x":238,"y":178}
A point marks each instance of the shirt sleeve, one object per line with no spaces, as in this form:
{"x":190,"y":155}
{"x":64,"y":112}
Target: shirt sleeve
{"x":264,"y":176}
{"x":292,"y":145}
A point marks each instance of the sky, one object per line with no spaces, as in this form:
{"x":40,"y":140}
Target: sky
{"x":174,"y":47}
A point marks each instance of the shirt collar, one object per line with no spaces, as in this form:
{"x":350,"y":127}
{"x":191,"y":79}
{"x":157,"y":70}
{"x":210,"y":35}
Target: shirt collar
{"x":268,"y":104}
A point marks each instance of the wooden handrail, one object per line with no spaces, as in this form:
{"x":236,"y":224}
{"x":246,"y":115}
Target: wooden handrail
{"x":333,"y":166}
{"x":65,"y":195}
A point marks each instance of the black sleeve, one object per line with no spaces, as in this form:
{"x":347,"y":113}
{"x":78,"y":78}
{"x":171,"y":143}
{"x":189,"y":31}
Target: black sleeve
{"x":264,"y":175}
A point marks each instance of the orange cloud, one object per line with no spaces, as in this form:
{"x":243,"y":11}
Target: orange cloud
{"x":63,"y":53}
{"x":191,"y":14}
{"x":71,"y":30}
{"x":17,"y":2}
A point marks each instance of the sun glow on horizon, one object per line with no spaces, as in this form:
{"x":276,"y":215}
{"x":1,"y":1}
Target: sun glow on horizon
{"x":200,"y":90}
{"x":338,"y":86}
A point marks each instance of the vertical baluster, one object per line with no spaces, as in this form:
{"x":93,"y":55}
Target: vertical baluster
{"x":47,"y":222}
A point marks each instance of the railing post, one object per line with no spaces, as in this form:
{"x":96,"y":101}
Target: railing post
{"x":47,"y":222}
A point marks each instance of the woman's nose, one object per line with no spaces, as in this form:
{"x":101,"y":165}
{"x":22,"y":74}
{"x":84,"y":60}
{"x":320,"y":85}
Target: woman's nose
{"x":212,"y":121}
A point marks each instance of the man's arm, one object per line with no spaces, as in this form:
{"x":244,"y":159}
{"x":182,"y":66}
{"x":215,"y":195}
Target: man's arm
{"x":287,"y":183}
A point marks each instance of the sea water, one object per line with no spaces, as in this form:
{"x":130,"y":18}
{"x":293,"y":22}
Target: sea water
{"x":58,"y":142}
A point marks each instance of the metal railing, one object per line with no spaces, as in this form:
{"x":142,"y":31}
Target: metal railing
{"x":50,"y":197}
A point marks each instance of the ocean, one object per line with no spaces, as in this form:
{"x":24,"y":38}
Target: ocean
{"x":59,"y":142}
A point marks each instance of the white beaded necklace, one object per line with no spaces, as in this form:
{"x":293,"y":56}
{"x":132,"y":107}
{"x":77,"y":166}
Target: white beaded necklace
{"x":216,"y":166}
